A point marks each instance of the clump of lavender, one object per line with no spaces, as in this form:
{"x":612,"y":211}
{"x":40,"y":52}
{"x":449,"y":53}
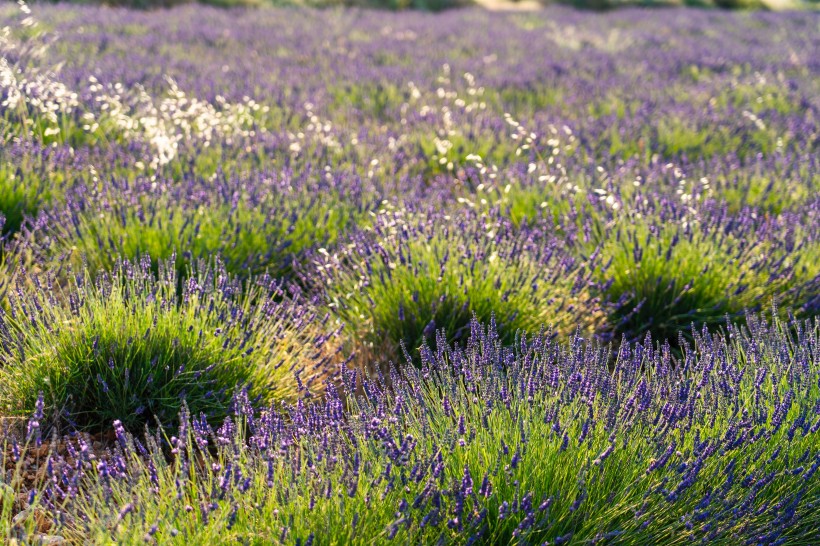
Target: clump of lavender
{"x":416,"y":273}
{"x":133,"y":346}
{"x":253,"y":232}
{"x":672,"y":269}
{"x":19,"y":199}
{"x":32,"y":178}
{"x":492,"y":444}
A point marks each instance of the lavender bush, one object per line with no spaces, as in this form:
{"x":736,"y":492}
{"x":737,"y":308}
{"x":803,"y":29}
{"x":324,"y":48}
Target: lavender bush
{"x":133,"y":347}
{"x":669,"y":274}
{"x":253,"y":233}
{"x":416,"y":273}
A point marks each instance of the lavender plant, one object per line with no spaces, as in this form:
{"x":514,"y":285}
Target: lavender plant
{"x":253,"y":233}
{"x":32,"y":178}
{"x":129,"y":346}
{"x":681,"y":271}
{"x":419,"y":272}
{"x":488,"y":444}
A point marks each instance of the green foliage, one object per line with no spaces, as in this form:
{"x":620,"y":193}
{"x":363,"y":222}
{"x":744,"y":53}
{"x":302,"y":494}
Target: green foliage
{"x":565,"y":209}
{"x":374,"y":100}
{"x":668,"y":276}
{"x":418,"y":273}
{"x":757,"y":190}
{"x":28,"y":184}
{"x":556,"y":466}
{"x":251,"y":234}
{"x":676,"y":136}
{"x":129,"y":347}
{"x":19,"y":199}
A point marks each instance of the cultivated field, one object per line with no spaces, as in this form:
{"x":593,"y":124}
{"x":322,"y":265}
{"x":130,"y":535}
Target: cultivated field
{"x":350,"y":277}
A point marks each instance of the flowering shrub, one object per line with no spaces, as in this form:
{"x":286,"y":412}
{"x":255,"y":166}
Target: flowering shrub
{"x":32,"y":178}
{"x":683,"y":270}
{"x":416,"y":273}
{"x":129,"y":346}
{"x":253,"y":233}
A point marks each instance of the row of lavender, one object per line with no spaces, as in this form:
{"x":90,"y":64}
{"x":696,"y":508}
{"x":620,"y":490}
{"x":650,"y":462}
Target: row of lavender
{"x":538,"y":442}
{"x":250,"y":205}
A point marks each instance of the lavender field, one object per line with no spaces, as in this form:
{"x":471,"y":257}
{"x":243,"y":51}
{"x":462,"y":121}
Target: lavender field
{"x":293,"y":276}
